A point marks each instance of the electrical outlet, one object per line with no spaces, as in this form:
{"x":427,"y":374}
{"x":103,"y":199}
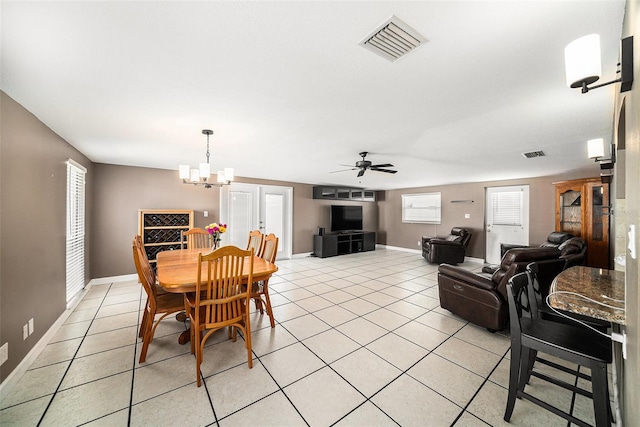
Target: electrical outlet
{"x":467,"y":216}
{"x":419,"y":243}
{"x":31,"y":328}
{"x":4,"y":353}
{"x":25,"y":331}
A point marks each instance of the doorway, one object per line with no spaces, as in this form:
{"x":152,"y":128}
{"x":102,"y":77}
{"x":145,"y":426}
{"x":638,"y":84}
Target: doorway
{"x":268,"y":208}
{"x":507,"y":219}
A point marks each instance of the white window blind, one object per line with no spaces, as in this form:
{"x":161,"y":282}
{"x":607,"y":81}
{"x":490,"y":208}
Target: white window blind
{"x":75,"y":228}
{"x":424,"y":207}
{"x":507,"y":208}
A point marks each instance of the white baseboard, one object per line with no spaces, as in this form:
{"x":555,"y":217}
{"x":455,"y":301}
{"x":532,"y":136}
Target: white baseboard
{"x":113,"y":279}
{"x":398,"y":248}
{"x":419,"y":252}
{"x":24,"y":365}
{"x":301,"y":255}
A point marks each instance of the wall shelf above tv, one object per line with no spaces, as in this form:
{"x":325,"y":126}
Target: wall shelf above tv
{"x":325,"y":192}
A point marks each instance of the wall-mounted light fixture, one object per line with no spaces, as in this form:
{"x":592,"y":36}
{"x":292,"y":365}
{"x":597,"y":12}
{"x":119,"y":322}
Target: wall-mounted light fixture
{"x":202,"y":175}
{"x":582,"y":63}
{"x":595,"y":150}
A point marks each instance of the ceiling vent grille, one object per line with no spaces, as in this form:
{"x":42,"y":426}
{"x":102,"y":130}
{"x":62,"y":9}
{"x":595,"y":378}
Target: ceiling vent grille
{"x":532,"y":154}
{"x":393,"y":39}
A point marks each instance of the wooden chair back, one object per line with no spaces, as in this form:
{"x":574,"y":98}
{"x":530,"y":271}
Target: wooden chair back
{"x":195,"y":238}
{"x":269,"y":249}
{"x":255,"y":241}
{"x":220,"y":298}
{"x":146,"y":275}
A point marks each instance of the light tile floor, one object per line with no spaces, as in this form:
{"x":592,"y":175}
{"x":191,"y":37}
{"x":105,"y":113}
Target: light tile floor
{"x":360,"y":340}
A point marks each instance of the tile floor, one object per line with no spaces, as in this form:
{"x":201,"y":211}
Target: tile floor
{"x":360,"y":340}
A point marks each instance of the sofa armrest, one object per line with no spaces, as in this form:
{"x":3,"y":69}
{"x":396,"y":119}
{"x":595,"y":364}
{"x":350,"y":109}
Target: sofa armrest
{"x":438,"y":241}
{"x":466,"y":276}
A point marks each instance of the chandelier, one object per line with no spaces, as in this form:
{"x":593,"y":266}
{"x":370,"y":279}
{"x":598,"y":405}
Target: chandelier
{"x":202,"y":175}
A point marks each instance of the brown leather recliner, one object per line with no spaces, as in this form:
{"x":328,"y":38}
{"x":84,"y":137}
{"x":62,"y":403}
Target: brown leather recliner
{"x":481,"y":298}
{"x":450,"y":249}
{"x":574,"y":252}
{"x":555,"y":239}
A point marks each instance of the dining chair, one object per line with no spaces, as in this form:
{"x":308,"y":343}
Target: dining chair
{"x":255,"y":241}
{"x":268,"y":252}
{"x":220,"y":300}
{"x":137,"y":241}
{"x":164,"y":304}
{"x":530,"y":334}
{"x":541,"y":275}
{"x":195,"y":238}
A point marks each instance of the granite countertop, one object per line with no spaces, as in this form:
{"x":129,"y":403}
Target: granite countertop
{"x":604,"y":286}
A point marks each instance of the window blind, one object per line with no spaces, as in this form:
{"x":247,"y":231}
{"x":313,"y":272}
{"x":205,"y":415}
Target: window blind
{"x":507,"y":208}
{"x":75,"y":228}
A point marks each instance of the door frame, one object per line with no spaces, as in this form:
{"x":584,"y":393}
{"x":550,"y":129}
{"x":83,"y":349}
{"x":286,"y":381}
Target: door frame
{"x":285,"y":245}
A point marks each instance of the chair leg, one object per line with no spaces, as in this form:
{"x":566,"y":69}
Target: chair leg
{"x":599,"y":389}
{"x":192,"y":335}
{"x":143,"y":322}
{"x":198,"y":360}
{"x":268,"y":306}
{"x":247,"y":340}
{"x":514,"y":371}
{"x":258,"y":303}
{"x":527,"y":359}
{"x":147,"y":336}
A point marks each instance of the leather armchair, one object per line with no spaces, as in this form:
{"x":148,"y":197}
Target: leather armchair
{"x":482,"y":298}
{"x":574,"y":252}
{"x":555,"y":239}
{"x":450,"y":249}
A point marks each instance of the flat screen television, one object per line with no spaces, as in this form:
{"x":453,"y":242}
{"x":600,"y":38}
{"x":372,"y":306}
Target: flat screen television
{"x":346,"y":218}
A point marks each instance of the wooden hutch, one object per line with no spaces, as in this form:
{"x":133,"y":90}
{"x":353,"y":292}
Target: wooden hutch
{"x":582,"y":209}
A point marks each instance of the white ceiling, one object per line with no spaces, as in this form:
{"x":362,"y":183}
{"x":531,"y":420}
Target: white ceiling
{"x":291,"y":96}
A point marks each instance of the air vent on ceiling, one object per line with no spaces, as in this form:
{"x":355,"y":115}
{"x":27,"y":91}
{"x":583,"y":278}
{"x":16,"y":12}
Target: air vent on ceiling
{"x":393,"y":39}
{"x":532,"y":154}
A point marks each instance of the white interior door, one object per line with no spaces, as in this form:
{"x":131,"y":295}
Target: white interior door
{"x":274,"y":216}
{"x":247,"y":207}
{"x":507,"y":219}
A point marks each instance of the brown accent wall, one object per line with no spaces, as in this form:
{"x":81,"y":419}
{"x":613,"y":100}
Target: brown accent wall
{"x":120,"y":191}
{"x":393,"y":232}
{"x":33,"y":188}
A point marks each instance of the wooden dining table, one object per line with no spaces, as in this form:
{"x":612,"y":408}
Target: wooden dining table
{"x":177,"y":272}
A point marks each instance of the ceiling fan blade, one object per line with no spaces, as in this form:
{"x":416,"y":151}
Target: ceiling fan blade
{"x":386,"y":165}
{"x":383,"y":170}
{"x":344,"y":170}
{"x":361,"y":172}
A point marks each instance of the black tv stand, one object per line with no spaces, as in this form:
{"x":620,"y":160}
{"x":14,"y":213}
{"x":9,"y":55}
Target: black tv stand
{"x":343,"y":242}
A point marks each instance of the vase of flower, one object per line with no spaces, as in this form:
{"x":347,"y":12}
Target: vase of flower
{"x":215,"y":230}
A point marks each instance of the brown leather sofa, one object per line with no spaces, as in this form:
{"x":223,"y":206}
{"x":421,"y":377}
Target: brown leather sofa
{"x":482,"y":298}
{"x":450,"y":249}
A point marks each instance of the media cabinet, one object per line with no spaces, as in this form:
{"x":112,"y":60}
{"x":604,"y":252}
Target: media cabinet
{"x":333,"y":244}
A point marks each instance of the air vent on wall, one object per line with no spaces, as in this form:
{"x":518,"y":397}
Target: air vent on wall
{"x":393,"y":39}
{"x":532,"y":154}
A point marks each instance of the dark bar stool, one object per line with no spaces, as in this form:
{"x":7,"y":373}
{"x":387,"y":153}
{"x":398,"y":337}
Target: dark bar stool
{"x":530,"y":334}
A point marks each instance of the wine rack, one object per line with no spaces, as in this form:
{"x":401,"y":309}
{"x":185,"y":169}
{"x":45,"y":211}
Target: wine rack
{"x":160,"y":230}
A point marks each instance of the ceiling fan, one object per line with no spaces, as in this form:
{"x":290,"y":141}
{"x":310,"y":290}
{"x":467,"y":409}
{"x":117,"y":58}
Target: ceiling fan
{"x":363,"y":165}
